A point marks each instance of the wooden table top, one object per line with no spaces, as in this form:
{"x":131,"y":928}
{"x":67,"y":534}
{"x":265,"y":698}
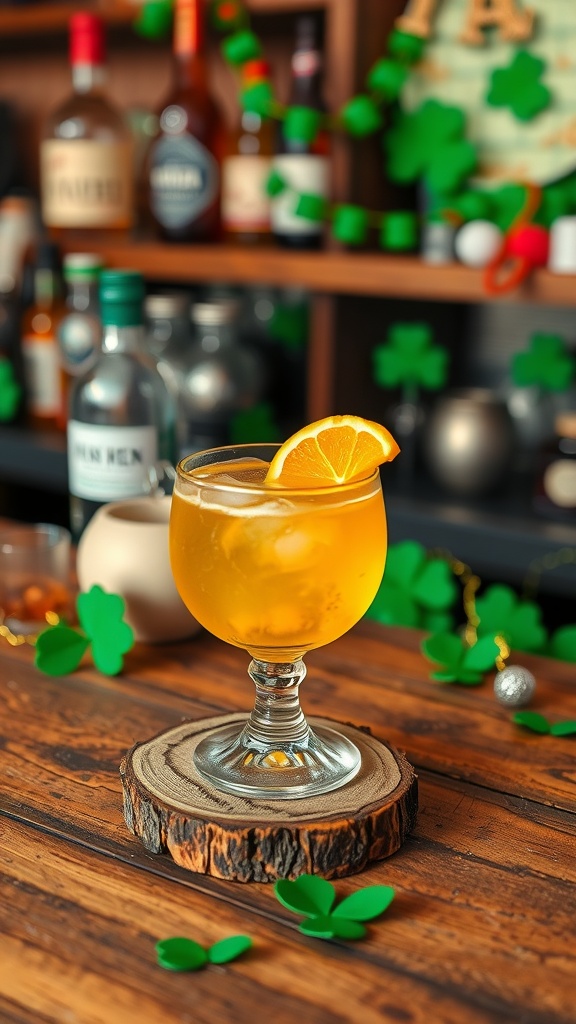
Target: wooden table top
{"x":482,"y":927}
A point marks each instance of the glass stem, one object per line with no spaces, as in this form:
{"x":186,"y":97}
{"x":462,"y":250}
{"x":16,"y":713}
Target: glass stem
{"x":277,"y":720}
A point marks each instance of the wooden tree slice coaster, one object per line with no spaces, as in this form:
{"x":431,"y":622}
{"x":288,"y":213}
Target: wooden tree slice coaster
{"x":172,"y":808}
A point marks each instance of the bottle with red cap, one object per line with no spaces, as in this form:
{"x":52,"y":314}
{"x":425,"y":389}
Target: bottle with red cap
{"x":246,"y":169}
{"x":86,"y":164}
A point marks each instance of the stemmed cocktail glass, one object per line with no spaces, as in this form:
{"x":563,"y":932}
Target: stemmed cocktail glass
{"x":277,"y":571}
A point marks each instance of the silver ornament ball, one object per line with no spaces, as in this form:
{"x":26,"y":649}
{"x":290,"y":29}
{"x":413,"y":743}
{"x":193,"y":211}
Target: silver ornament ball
{"x":514,"y":686}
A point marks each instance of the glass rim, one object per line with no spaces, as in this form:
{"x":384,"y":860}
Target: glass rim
{"x":252,"y":488}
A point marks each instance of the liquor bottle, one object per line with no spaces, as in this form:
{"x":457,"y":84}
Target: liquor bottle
{"x":245,"y":171}
{"x":183,"y":163}
{"x":86,"y":162}
{"x":221,"y":375}
{"x":304,"y":166}
{"x":40,"y":352}
{"x":79,"y":331}
{"x":121,"y":415}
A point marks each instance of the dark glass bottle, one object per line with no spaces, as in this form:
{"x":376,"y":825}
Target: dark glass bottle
{"x":304,"y":166}
{"x":183,"y":163}
{"x":40,"y":351}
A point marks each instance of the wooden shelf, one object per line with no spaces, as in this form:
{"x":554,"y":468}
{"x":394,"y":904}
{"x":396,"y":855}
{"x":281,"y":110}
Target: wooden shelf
{"x":32,"y":19}
{"x":345,"y":273}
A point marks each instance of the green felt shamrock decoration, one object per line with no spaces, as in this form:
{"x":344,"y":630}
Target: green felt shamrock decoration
{"x":409,"y":357}
{"x":180,"y":954}
{"x":519,"y":87}
{"x":10,"y":392}
{"x":563,"y":644}
{"x":60,"y":649}
{"x":500,"y":611}
{"x":538,"y":723}
{"x":313,"y":898}
{"x":429,"y":143}
{"x":416,"y":590}
{"x":547,"y":364}
{"x":459,"y":662}
{"x":154,"y":19}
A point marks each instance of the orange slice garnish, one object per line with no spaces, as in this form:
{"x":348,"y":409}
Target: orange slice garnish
{"x":335,"y":450}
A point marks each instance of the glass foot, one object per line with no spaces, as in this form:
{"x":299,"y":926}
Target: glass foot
{"x":277,"y":754}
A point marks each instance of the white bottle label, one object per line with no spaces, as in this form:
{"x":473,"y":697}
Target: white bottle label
{"x":86,"y":183}
{"x":109,"y":463}
{"x":245,"y":204}
{"x":42,"y":375}
{"x":302,"y":173}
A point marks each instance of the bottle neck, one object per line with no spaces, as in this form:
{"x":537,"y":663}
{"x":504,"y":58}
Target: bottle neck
{"x":307,"y":78}
{"x":117,"y":339}
{"x":188,"y":44}
{"x":45,"y":287}
{"x":81,"y":295}
{"x":87,"y":78}
{"x":216,"y":338}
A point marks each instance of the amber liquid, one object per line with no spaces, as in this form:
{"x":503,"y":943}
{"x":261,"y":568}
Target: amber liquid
{"x":275,"y":572}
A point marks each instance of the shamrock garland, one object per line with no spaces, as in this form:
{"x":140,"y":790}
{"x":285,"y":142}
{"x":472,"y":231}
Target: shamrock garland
{"x":10,"y":392}
{"x":313,"y":898}
{"x":60,"y":648}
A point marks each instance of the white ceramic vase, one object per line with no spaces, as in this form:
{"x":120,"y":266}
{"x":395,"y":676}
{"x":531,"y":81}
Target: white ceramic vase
{"x":124,"y":549}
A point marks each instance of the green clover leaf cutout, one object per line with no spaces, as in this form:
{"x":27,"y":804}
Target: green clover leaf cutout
{"x":416,"y":591}
{"x":547,"y":363}
{"x":59,"y":650}
{"x":430,"y":144}
{"x":519,"y":88}
{"x":409,"y":357}
{"x":101,"y":617}
{"x":313,"y":898}
{"x":500,"y":610}
{"x":459,"y":662}
{"x":181,"y":954}
{"x":563,"y":644}
{"x":10,"y":392}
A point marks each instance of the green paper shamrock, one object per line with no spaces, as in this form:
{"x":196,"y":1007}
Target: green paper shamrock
{"x":563,"y":644}
{"x":275,"y":184}
{"x":405,"y":46}
{"x":241,"y":47}
{"x":350,"y":224}
{"x":547,"y":364}
{"x":429,"y":143}
{"x":410,"y":358}
{"x":500,"y":611}
{"x":10,"y":392}
{"x":460,"y":663}
{"x":311,"y":207}
{"x":254,"y":426}
{"x":60,"y":649}
{"x":416,"y":591}
{"x":387,"y":78}
{"x":313,"y":898}
{"x":180,"y":954}
{"x":361,"y":116}
{"x":532,"y":720}
{"x":563,"y":729}
{"x":519,"y":87}
{"x":154,"y":19}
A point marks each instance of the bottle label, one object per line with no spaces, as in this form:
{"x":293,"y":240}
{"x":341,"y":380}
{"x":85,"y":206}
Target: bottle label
{"x":302,"y":173}
{"x":79,"y":340}
{"x":42,"y":375}
{"x":86,"y":183}
{"x":245,"y":204}
{"x":109,"y":463}
{"x":559,"y":483}
{"x":184,"y":180}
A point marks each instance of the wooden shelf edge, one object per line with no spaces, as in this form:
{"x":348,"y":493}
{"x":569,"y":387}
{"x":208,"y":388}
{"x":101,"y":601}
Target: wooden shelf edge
{"x":346,"y":273}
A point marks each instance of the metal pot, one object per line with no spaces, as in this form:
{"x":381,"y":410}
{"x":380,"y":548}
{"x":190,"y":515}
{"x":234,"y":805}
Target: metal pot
{"x":469,"y":441}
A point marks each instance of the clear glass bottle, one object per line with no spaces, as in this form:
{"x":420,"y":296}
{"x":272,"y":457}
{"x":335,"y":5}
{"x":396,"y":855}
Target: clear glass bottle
{"x":183,"y":164}
{"x":86,"y":154}
{"x":304,"y":166}
{"x":222,"y":376}
{"x":122,"y":416}
{"x":39,"y":342}
{"x":168,"y":338}
{"x":80,"y":329}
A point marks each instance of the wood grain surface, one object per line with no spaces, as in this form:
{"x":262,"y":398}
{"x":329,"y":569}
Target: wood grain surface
{"x":482,"y":927}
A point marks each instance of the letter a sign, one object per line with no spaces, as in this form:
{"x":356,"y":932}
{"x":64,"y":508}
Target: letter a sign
{"x":513,"y":24}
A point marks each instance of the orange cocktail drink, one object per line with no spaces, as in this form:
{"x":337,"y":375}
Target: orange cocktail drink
{"x":275,"y":572}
